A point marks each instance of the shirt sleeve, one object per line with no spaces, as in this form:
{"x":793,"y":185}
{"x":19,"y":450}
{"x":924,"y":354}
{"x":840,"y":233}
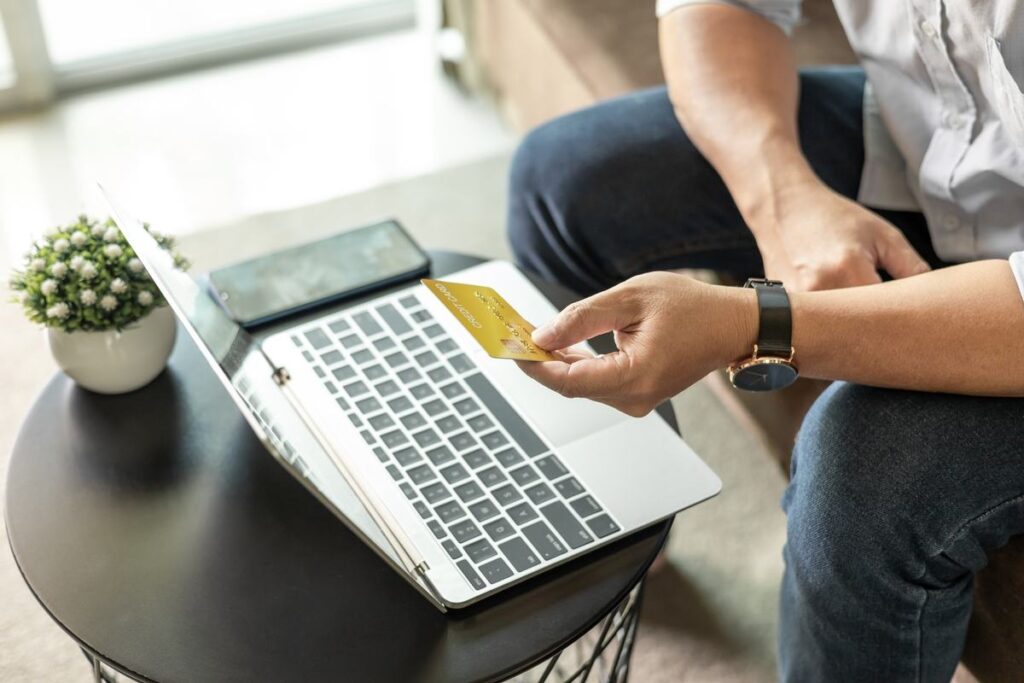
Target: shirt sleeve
{"x":1017,"y":266}
{"x":783,"y":13}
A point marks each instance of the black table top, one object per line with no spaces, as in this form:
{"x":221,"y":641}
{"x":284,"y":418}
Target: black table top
{"x":157,"y":531}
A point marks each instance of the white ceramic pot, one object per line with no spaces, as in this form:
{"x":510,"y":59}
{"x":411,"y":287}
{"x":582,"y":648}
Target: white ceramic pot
{"x":115,"y":362}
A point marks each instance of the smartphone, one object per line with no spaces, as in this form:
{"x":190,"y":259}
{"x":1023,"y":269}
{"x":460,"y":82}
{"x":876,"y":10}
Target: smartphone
{"x":345,"y":265}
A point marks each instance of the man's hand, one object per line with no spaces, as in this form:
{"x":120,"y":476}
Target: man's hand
{"x":671,"y":331}
{"x":818,"y":239}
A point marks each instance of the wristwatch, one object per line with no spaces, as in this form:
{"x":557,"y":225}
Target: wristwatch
{"x":771,"y":366}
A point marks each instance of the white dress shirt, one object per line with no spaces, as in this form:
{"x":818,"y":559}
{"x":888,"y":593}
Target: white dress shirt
{"x":943,"y":114}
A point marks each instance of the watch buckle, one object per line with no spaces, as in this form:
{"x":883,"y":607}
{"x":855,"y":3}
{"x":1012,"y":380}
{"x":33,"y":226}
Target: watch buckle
{"x":792,"y":354}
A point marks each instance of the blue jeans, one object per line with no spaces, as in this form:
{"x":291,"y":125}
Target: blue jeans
{"x":896,"y":497}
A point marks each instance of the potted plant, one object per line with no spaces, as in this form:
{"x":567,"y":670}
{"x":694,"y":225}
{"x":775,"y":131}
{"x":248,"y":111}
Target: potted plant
{"x":107,"y":325}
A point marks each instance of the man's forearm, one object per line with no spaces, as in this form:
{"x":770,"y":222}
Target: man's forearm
{"x":957,"y":330}
{"x":733,"y":84}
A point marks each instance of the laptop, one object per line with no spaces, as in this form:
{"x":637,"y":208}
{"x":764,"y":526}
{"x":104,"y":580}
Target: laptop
{"x":465,"y":476}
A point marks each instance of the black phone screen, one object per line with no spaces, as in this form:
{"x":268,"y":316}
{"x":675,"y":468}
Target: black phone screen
{"x":301,"y":277}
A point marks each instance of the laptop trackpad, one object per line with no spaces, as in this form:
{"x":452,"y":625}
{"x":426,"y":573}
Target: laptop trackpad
{"x":562,"y":420}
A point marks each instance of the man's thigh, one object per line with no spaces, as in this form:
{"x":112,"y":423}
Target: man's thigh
{"x":618,"y":189}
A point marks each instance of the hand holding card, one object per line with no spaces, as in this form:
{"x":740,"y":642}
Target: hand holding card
{"x":491,"y":320}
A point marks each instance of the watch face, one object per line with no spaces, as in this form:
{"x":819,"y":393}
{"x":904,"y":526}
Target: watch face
{"x":764,"y":375}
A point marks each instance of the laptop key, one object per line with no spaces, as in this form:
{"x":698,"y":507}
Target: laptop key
{"x":467,"y":570}
{"x":374,"y":372}
{"x":317,"y":338}
{"x":448,"y":423}
{"x":368,"y":405}
{"x":464,"y":531}
{"x":544,"y":540}
{"x":492,"y":476}
{"x":409,"y":375}
{"x":440,"y":455}
{"x":481,"y":550}
{"x":479,"y":422}
{"x":445,"y":345}
{"x":506,"y":495}
{"x":413,"y":421}
{"x":356,"y":388}
{"x":422,"y":391}
{"x":413,"y":343}
{"x":367,"y":324}
{"x":462,"y":441}
{"x":499,"y":529}
{"x":394,"y":439}
{"x":469,"y":491}
{"x":483,"y":510}
{"x":435,"y":493}
{"x":551,"y":466}
{"x":396,"y":359}
{"x":466,"y":406}
{"x":342,"y":403}
{"x":381,"y":421}
{"x":422,"y":315}
{"x":519,"y":554}
{"x":395,"y":473}
{"x":367,"y":437}
{"x":566,"y":524}
{"x":384,"y":343}
{"x":408,"y":490}
{"x":569,"y":488}
{"x":339,"y":326}
{"x":522,"y":513}
{"x":408,"y":456}
{"x":350,"y":340}
{"x":436,"y":529}
{"x":524,"y":475}
{"x":409,"y":301}
{"x":399,"y":405}
{"x":452,"y":549}
{"x":508,"y":457}
{"x":394,"y":319}
{"x":421,"y":474}
{"x":461,"y":363}
{"x":439,"y":374}
{"x":426,"y":358}
{"x":454,"y":473}
{"x":452,"y":390}
{"x":329,"y":385}
{"x":331,"y":357}
{"x":433,"y":331}
{"x":380,"y":453}
{"x":602,"y":525}
{"x":476,"y":458}
{"x":355,"y":420}
{"x":426,"y":438}
{"x":343,"y":372}
{"x":450,"y":511}
{"x":362,"y":356}
{"x":585,"y":506}
{"x":422,"y":508}
{"x":509,"y":418}
{"x":495,"y":570}
{"x":434,"y":407}
{"x":386,"y":388}
{"x":540,"y":494}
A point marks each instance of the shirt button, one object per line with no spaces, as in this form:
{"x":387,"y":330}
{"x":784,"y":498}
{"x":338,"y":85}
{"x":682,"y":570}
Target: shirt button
{"x":952,"y":119}
{"x":928,"y":29}
{"x":950,"y":222}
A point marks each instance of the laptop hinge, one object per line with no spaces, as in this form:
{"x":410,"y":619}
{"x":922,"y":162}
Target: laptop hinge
{"x":422,"y":568}
{"x":281,"y":376}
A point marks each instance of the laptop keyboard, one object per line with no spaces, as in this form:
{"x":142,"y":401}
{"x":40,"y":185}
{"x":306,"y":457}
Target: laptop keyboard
{"x":486,"y":485}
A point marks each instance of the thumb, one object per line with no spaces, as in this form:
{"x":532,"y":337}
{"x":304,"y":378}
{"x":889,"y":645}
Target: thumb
{"x":595,"y":315}
{"x":898,"y":258}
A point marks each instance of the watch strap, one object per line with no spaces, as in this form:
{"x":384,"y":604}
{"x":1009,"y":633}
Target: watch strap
{"x":775,"y":330}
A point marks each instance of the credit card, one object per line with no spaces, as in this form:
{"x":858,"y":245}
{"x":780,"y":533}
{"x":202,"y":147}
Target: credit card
{"x":496,"y":326}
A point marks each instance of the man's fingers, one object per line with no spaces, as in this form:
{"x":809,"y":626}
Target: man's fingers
{"x":585,"y":319}
{"x":590,"y":377}
{"x":898,"y":258}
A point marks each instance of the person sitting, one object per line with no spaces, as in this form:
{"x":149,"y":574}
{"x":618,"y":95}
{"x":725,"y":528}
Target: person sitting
{"x":909,"y":469}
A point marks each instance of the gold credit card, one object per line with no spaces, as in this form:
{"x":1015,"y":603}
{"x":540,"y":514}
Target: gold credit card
{"x":499,"y":329}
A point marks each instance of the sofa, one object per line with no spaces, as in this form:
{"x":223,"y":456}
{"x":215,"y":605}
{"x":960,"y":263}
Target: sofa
{"x":537,"y":59}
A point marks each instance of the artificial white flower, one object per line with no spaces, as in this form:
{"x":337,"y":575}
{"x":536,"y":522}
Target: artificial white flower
{"x":135,"y":265}
{"x":108,"y":302}
{"x":87,"y":270}
{"x":48,"y":287}
{"x":118,"y":286}
{"x":78,"y":238}
{"x":38,"y":265}
{"x":98,"y":230}
{"x":61,"y":245}
{"x":145,"y":298}
{"x":23,"y":297}
{"x":87,"y":297}
{"x":58,"y":311}
{"x":77,"y":261}
{"x":112,"y":251}
{"x":59,"y":270}
{"x":111,"y":235}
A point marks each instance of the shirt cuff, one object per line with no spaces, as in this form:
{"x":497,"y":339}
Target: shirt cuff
{"x":1017,"y":266}
{"x":783,"y":13}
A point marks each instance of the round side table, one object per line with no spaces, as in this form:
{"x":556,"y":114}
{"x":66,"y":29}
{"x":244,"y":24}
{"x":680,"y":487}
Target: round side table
{"x":158,"y":533}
